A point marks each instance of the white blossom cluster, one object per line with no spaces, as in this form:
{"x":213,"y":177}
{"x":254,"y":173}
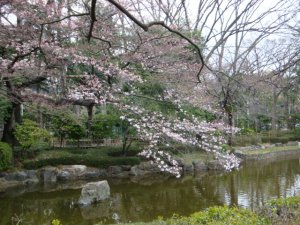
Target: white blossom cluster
{"x":153,"y":127}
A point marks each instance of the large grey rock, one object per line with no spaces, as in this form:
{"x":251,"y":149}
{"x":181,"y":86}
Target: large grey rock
{"x":199,"y":166}
{"x":94,"y":192}
{"x":215,"y":165}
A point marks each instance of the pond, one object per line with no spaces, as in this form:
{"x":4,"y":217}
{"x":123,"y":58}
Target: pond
{"x":145,"y":200}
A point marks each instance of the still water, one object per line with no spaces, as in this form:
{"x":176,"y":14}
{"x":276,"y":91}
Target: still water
{"x":137,"y":200}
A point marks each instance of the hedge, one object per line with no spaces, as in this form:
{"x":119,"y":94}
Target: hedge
{"x":79,"y":160}
{"x":5,"y":156}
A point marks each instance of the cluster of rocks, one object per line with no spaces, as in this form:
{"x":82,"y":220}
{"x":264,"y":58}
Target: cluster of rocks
{"x":200,"y":166}
{"x":65,"y":173}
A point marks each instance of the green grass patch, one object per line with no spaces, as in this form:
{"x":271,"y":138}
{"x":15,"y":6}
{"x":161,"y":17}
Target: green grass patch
{"x":269,"y":150}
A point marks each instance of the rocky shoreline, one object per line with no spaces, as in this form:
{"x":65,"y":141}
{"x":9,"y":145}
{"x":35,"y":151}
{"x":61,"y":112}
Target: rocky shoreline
{"x":244,"y":153}
{"x":74,"y":176}
{"x":68,"y":174}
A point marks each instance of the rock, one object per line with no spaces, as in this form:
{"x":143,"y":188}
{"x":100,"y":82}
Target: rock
{"x":215,"y":165}
{"x":94,"y":192}
{"x":3,"y":174}
{"x":113,"y":170}
{"x":17,"y":176}
{"x":78,"y":169}
{"x":49,"y":174}
{"x":292,"y":143}
{"x":126,"y":167}
{"x":180,"y":162}
{"x":124,"y":174}
{"x":31,"y":181}
{"x":149,"y":167}
{"x":32,"y":174}
{"x":188,"y":168}
{"x":63,"y":176}
{"x":102,"y":173}
{"x":91,"y":175}
{"x":199,"y":166}
{"x":135,"y":171}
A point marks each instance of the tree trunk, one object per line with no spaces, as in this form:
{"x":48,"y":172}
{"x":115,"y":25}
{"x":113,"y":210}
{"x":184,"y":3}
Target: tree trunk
{"x":90,"y":118}
{"x":10,"y":123}
{"x":230,"y":123}
{"x":273,"y":113}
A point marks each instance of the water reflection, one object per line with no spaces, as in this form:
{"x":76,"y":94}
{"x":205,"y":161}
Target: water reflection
{"x":144,"y":201}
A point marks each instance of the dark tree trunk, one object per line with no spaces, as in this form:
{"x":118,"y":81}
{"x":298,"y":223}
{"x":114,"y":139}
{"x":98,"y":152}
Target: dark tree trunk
{"x":90,"y":118}
{"x":10,"y":123}
{"x":230,"y":123}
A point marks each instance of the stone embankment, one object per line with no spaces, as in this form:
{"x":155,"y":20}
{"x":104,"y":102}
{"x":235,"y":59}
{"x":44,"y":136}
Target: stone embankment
{"x":246,"y":153}
{"x":65,"y":174}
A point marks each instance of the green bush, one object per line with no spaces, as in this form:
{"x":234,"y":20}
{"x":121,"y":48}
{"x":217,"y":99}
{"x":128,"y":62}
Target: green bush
{"x":218,"y":215}
{"x":29,"y":134}
{"x":289,"y":202}
{"x":283,"y":210}
{"x":223,"y":215}
{"x":274,"y":140}
{"x":244,"y":140}
{"x":5,"y":156}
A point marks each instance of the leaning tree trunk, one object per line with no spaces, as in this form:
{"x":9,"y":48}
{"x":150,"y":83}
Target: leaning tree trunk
{"x":10,"y":123}
{"x":15,"y":116}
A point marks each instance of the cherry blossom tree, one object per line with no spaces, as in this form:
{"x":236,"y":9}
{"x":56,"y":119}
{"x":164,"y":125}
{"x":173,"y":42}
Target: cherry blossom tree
{"x":42,"y":42}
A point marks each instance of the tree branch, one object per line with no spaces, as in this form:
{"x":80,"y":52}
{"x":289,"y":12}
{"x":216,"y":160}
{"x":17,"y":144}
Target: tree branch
{"x":146,"y":27}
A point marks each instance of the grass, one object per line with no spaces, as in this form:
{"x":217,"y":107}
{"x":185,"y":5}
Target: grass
{"x":269,"y":150}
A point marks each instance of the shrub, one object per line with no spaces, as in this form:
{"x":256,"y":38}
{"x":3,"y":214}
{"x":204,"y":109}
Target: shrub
{"x":223,"y":215}
{"x":28,"y":134}
{"x":290,"y":202}
{"x":244,"y":140}
{"x":283,"y":210}
{"x":282,"y":140}
{"x":5,"y":156}
{"x":218,"y":215}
